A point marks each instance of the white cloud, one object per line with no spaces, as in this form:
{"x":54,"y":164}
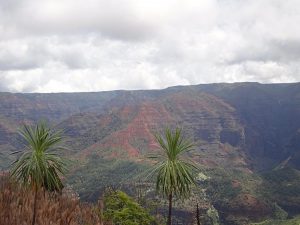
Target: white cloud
{"x":92,"y":45}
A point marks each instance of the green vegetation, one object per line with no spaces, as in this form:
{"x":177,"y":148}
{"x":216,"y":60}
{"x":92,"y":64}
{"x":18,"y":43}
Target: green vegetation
{"x":123,"y":210}
{"x":97,"y":173}
{"x":282,"y":186}
{"x":294,"y":221}
{"x":235,"y":132}
{"x":213,"y":216}
{"x":40,"y":166}
{"x":174,"y":172}
{"x":228,"y":184}
{"x":279,"y":213}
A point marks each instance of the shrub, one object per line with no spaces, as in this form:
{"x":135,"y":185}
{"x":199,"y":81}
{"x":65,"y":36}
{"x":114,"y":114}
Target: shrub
{"x":123,"y":210}
{"x":55,"y":209}
{"x":279,"y":213}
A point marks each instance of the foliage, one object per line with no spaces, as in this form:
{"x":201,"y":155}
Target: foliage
{"x":40,"y":165}
{"x":123,"y":210}
{"x":98,"y":173}
{"x":213,"y":216}
{"x":174,"y":171}
{"x":293,"y":221}
{"x":202,"y":177}
{"x":279,"y":213}
{"x":219,"y":187}
{"x":282,"y":186}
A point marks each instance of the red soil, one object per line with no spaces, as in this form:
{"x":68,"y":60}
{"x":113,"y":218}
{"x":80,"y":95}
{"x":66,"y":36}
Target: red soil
{"x":149,"y":118}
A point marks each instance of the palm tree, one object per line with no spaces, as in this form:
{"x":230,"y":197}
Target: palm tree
{"x":40,"y":166}
{"x":174,"y":171}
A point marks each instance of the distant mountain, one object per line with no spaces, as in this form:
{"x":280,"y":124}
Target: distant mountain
{"x":244,"y":127}
{"x":259,"y":123}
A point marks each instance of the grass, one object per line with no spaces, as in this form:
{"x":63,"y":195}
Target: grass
{"x":16,"y":207}
{"x":293,"y":221}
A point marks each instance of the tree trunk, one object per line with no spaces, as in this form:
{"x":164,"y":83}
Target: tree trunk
{"x":170,"y":210}
{"x":34,"y":205}
{"x":197,"y":215}
{"x":101,"y":208}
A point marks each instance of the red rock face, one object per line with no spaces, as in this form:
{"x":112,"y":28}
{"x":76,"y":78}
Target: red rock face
{"x":149,"y":118}
{"x":199,"y":115}
{"x":240,"y":127}
{"x":234,"y":121}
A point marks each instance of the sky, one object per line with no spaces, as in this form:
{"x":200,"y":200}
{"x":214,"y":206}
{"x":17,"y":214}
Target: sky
{"x":99,"y":45}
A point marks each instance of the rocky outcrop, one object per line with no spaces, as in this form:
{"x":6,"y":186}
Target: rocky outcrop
{"x":258,"y":123}
{"x":242,"y":127}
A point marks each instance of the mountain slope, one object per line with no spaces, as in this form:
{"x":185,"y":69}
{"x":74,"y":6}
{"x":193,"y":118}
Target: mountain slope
{"x":242,"y":132}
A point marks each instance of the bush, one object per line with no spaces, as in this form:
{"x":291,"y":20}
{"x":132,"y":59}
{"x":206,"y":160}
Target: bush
{"x":279,"y":213}
{"x":123,"y":210}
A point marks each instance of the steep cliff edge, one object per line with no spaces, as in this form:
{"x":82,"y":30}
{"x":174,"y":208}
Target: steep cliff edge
{"x":242,"y":132}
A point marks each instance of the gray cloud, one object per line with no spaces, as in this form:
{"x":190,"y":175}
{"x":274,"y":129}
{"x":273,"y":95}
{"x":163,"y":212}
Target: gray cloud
{"x":107,"y":18}
{"x":283,"y":51}
{"x":92,"y":45}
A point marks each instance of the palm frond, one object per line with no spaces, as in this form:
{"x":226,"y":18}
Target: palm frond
{"x":174,"y":172}
{"x":40,"y":165}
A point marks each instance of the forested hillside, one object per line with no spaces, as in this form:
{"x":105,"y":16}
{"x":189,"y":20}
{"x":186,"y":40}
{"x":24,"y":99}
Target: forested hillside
{"x":247,"y":139}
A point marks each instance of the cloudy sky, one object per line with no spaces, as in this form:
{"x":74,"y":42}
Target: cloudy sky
{"x":95,"y":45}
